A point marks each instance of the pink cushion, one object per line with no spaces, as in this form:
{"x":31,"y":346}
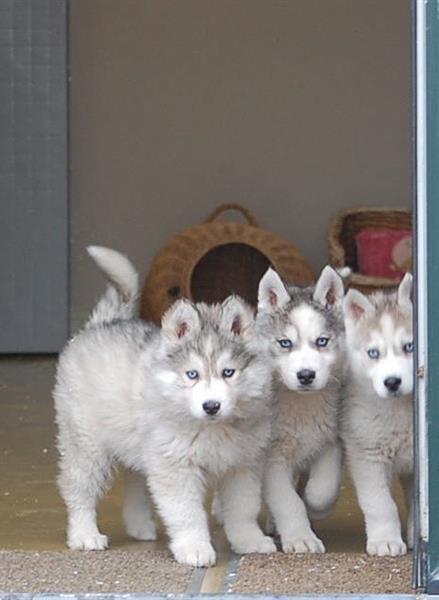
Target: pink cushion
{"x":384,"y":252}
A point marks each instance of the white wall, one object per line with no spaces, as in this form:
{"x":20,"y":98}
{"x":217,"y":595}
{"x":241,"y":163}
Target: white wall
{"x":295,"y":108}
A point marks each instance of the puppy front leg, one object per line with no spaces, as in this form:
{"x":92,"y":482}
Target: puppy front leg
{"x":241,"y":502}
{"x":324,"y":481}
{"x":137,"y":511}
{"x":178,"y":493}
{"x":288,"y":510}
{"x":372,"y":481}
{"x":216,"y":508}
{"x":84,"y":476}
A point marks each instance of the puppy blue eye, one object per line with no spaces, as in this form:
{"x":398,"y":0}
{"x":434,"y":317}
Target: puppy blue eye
{"x":192,"y":374}
{"x":409,"y":347}
{"x":322,"y":342}
{"x":373,"y":353}
{"x":285,"y":343}
{"x":228,"y":373}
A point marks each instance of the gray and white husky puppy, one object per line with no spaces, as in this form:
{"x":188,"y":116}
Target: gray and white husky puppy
{"x":182,"y":406}
{"x":377,"y":426}
{"x":304,"y":333}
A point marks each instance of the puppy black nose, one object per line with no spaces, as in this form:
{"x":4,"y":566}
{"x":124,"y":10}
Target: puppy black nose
{"x":306,"y":376}
{"x":392,"y":383}
{"x":211,"y":407}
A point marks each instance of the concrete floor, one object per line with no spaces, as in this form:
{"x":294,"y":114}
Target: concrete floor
{"x":32,"y":546}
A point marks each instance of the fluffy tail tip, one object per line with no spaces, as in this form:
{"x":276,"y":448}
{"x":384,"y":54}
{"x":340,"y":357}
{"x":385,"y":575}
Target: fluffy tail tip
{"x":117,"y":268}
{"x":98,"y":252}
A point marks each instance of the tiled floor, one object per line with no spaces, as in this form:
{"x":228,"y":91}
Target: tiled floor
{"x":33,"y":520}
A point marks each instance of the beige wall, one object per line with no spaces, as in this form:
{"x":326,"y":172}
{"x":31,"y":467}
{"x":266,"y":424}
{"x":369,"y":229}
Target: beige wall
{"x":296,"y":108}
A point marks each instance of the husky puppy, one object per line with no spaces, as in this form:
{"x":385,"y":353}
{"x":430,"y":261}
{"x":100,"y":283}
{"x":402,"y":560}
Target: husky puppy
{"x":377,"y":424}
{"x":182,"y":406}
{"x":304,"y":333}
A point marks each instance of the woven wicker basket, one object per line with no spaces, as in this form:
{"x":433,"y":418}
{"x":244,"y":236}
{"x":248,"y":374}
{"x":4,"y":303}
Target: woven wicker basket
{"x":342,"y":248}
{"x":217,"y":258}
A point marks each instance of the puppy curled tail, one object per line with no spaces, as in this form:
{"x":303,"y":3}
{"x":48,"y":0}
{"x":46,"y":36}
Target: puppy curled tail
{"x":120,"y":297}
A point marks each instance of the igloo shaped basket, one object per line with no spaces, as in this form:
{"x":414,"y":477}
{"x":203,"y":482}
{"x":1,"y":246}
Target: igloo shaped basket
{"x":216,"y":258}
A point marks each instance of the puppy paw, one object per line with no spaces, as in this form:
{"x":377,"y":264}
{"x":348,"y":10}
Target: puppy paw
{"x":390,"y":547}
{"x":141,"y":529}
{"x":197,"y":554}
{"x":258,"y":544}
{"x":307,"y":543}
{"x":87,"y":541}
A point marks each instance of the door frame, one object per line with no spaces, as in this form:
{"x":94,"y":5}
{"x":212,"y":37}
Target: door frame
{"x":427,"y":292}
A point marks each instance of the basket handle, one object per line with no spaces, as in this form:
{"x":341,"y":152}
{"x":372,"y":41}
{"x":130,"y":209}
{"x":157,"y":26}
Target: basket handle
{"x":225,"y":207}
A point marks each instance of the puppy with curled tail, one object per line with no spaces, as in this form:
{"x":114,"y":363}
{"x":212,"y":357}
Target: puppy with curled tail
{"x":184,"y":407}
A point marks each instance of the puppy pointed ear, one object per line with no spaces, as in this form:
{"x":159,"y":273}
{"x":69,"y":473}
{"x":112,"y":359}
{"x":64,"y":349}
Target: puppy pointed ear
{"x":272,"y":293}
{"x":404,"y":293}
{"x":356,"y":306}
{"x":180,"y":321}
{"x":329,"y":290}
{"x":237,"y":316}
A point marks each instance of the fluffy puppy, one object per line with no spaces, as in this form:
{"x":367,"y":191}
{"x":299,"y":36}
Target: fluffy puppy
{"x":304,"y":336}
{"x":377,"y":412}
{"x":183,"y":406}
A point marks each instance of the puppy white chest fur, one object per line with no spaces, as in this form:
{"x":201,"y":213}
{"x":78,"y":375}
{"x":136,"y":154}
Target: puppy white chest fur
{"x":381,"y":429}
{"x":303,"y":424}
{"x":213,"y":449}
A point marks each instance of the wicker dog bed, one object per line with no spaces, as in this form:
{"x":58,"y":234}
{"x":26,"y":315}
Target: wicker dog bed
{"x":341,"y":239}
{"x":212,"y":260}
